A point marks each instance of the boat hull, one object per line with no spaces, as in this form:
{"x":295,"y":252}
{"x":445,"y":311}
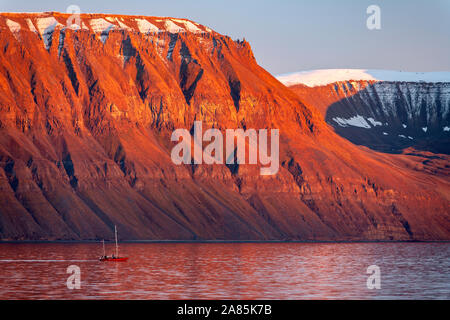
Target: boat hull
{"x":114,"y":259}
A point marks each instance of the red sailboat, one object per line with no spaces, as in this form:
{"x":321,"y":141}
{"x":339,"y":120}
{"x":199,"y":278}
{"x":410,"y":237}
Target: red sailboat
{"x":114,"y":257}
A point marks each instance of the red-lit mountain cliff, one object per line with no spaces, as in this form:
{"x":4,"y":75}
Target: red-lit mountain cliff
{"x":85,"y":123}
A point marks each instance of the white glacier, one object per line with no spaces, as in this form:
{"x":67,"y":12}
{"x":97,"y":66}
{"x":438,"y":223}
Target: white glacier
{"x":326,"y":76}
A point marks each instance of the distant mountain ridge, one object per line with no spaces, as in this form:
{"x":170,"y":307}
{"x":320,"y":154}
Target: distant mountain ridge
{"x":384,"y":110}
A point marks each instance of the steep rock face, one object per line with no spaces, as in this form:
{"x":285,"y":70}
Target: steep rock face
{"x":386,"y":116}
{"x":86,"y":117}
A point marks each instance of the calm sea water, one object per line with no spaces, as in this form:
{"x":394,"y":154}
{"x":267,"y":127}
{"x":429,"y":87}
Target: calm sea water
{"x":227,"y":271}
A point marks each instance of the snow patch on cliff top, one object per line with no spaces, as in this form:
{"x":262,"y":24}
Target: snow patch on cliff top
{"x":171,"y":27}
{"x":101,"y":23}
{"x":31,"y":25}
{"x":326,"y":76}
{"x":188,"y":25}
{"x":46,"y":27}
{"x":356,"y":121}
{"x":145,"y":26}
{"x":13,"y":26}
{"x":123,"y":26}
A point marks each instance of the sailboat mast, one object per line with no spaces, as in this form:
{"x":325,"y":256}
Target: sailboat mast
{"x":104,"y":251}
{"x":117,"y":246}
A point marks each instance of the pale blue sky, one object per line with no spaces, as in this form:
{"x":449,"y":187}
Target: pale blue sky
{"x":294,"y":35}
